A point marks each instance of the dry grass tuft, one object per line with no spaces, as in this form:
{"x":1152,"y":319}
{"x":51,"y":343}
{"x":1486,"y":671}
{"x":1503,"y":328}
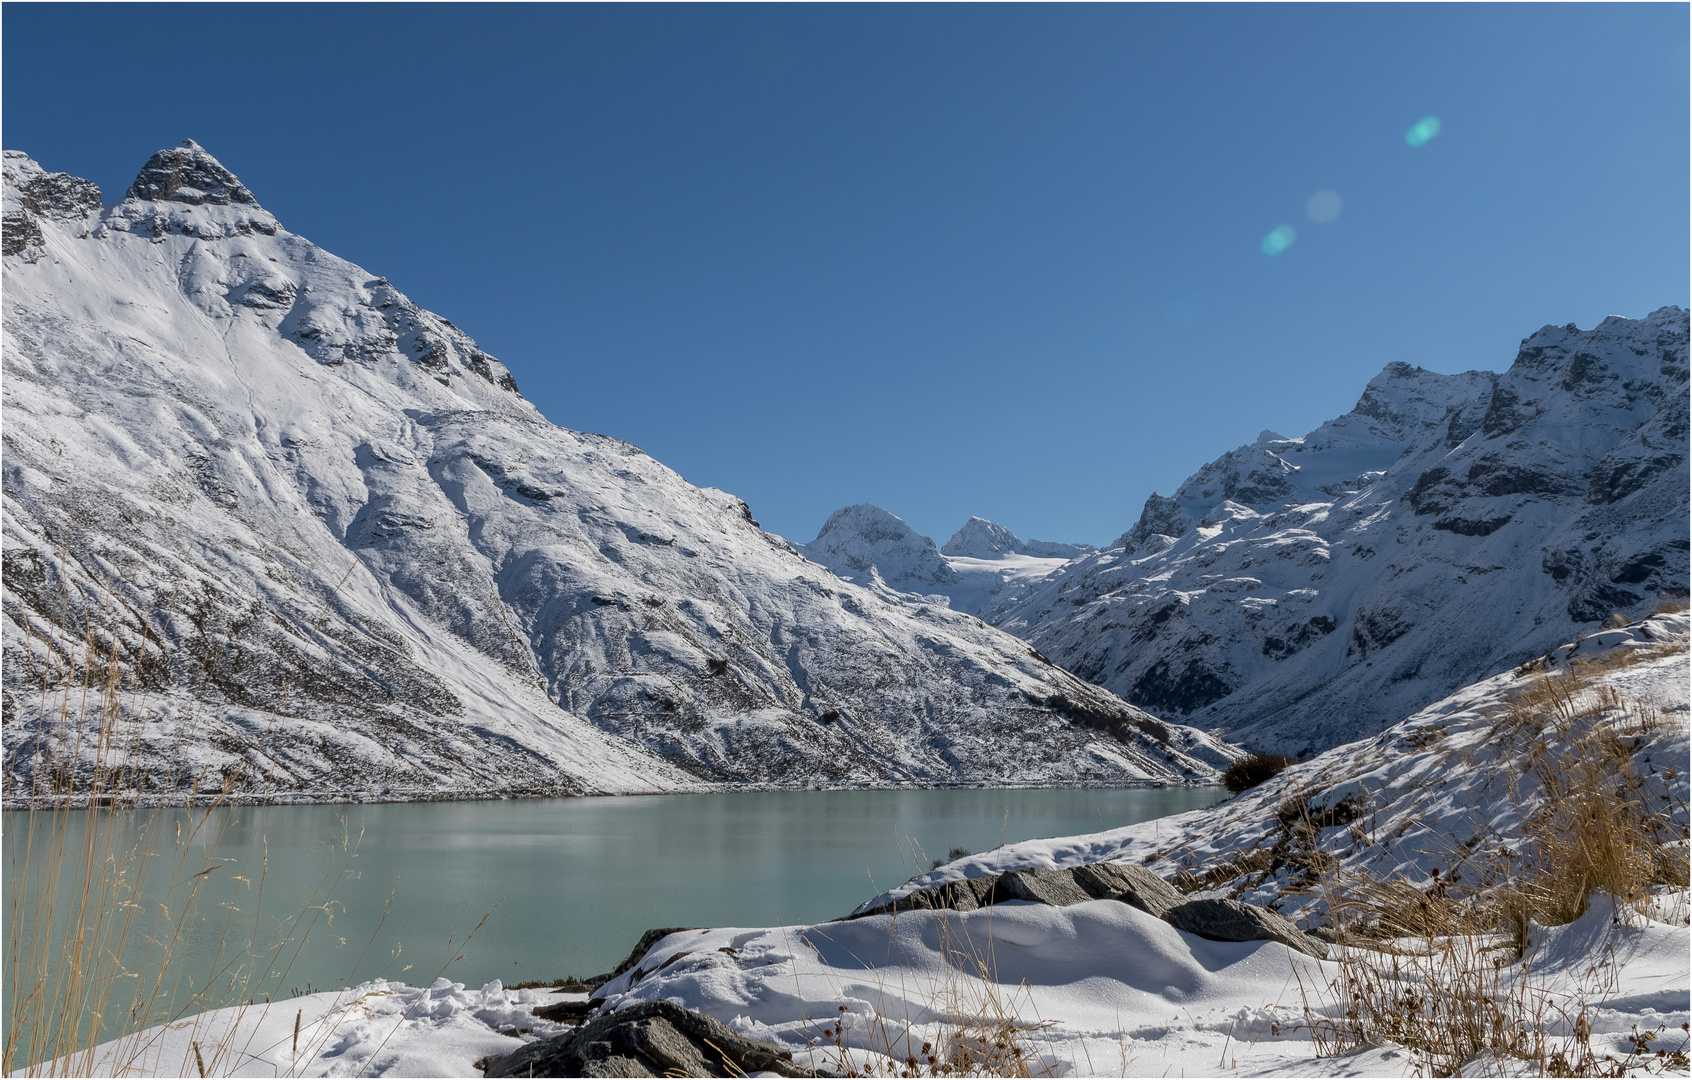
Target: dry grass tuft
{"x":1448,"y":971}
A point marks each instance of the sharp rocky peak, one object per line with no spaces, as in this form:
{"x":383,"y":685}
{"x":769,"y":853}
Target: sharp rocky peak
{"x":188,"y":174}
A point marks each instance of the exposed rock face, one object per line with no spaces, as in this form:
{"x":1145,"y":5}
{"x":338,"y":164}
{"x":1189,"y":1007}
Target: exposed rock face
{"x":1299,"y":593}
{"x":323,"y":548}
{"x":654,"y":1038}
{"x":187,"y":174}
{"x":1215,"y":919}
{"x":31,"y":194}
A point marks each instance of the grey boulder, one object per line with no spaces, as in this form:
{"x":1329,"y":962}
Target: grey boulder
{"x":1133,"y":885}
{"x":1041,"y":886}
{"x":966,"y":894}
{"x":1232,"y":920}
{"x":654,"y":1038}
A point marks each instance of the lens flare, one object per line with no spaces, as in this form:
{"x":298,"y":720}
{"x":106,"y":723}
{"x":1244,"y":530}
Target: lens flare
{"x":1279,"y":240}
{"x":1422,"y":130}
{"x":1323,"y":207}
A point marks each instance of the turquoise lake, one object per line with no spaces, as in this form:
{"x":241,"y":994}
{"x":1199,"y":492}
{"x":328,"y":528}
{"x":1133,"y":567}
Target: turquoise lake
{"x":357,"y":892}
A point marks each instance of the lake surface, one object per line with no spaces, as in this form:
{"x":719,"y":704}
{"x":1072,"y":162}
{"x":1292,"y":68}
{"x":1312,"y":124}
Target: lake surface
{"x":393,"y":890}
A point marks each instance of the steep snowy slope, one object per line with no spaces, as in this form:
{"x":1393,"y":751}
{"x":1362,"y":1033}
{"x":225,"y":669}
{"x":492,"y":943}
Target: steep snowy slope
{"x":322,"y":547}
{"x":1299,"y":593}
{"x":866,"y":544}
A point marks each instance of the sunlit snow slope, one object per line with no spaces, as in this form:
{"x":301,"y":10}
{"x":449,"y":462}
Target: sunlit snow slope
{"x":327,"y":550}
{"x":1299,"y":593}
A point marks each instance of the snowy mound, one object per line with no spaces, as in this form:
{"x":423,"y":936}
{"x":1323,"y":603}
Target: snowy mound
{"x":320,"y":547}
{"x":1298,"y":593}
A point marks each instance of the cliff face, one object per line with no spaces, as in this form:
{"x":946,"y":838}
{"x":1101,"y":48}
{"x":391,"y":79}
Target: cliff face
{"x":319,"y":542}
{"x":1299,"y":593}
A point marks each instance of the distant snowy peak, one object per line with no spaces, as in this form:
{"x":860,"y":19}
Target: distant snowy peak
{"x":858,"y":540}
{"x":866,"y":545}
{"x":983,"y":539}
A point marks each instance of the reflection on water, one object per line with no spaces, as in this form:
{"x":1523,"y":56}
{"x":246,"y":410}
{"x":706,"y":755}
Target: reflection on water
{"x":392,"y":890}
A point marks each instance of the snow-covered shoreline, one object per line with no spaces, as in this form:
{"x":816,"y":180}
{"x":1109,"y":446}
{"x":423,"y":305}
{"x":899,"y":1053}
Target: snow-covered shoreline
{"x":1101,"y":987}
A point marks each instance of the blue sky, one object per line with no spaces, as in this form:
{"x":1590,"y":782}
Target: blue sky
{"x":953,"y":260}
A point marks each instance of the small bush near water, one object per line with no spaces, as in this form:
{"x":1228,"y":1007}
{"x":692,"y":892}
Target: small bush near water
{"x":1248,"y":772}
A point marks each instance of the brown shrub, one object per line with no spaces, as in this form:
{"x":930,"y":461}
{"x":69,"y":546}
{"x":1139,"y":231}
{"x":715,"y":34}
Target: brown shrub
{"x":1248,"y":772}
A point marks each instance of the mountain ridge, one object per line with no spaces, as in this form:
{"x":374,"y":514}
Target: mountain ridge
{"x":1508,"y":511}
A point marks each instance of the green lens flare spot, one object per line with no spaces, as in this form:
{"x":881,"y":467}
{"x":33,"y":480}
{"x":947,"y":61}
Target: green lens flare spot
{"x":1422,"y":130}
{"x":1279,"y":240}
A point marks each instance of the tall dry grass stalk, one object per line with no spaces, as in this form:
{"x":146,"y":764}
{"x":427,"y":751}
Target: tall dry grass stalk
{"x":103,"y":898}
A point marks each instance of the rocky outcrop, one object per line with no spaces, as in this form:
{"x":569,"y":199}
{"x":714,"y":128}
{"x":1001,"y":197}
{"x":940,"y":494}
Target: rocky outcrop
{"x":1215,"y":919}
{"x":31,"y":195}
{"x":654,"y":1038}
{"x":1299,"y":593}
{"x":1132,"y":885}
{"x":1220,"y":919}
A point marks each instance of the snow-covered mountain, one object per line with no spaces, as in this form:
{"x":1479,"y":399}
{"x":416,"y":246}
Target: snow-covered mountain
{"x":983,"y":539}
{"x":1300,"y":593}
{"x":324,"y":548}
{"x":866,"y":544}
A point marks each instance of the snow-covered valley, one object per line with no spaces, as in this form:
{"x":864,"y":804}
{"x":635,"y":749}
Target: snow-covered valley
{"x":317,"y":545}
